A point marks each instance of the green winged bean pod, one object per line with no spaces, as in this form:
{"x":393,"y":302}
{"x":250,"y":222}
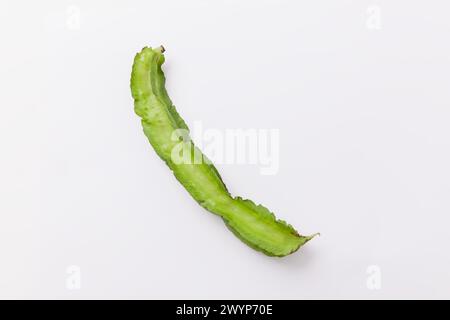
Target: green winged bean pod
{"x":166,"y":131}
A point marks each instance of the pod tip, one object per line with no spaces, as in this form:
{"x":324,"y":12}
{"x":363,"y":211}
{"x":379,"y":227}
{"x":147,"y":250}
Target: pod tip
{"x":161,"y":49}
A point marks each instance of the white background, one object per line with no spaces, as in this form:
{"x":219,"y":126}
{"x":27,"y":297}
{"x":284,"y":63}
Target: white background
{"x":363,"y":115}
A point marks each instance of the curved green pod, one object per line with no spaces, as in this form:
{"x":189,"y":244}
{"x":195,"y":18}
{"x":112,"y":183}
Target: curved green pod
{"x":166,"y":131}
